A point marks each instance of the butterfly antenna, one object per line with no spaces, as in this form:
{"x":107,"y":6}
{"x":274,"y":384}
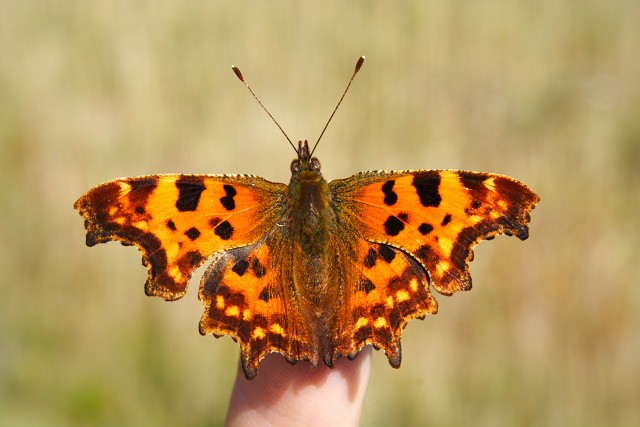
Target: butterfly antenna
{"x":241,"y":77}
{"x":358,"y":65}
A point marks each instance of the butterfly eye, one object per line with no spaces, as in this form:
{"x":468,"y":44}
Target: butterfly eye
{"x":315,"y":164}
{"x":295,"y":166}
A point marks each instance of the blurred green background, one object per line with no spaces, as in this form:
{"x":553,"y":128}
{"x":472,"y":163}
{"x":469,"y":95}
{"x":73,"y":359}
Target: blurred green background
{"x":547,"y":92}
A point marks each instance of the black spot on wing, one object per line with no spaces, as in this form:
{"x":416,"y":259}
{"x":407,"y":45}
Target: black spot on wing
{"x":141,"y":189}
{"x":213,"y":222}
{"x":425,"y":228}
{"x":213,"y":277}
{"x":446,"y":220}
{"x":224,"y":230}
{"x":265,"y":295}
{"x":393,"y":226}
{"x":227,"y":201}
{"x":171,"y":225}
{"x":366,"y":285}
{"x":386,"y":253}
{"x":190,"y":189}
{"x":192,"y":233}
{"x":427,"y":185}
{"x":404,"y":216}
{"x":240,"y":267}
{"x":258,"y":269}
{"x":370,"y":259}
{"x":473,"y":181}
{"x":148,"y":183}
{"x":390,"y":197}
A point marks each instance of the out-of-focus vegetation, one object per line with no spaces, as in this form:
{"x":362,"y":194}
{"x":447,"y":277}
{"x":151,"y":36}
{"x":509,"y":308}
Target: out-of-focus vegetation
{"x":547,"y":92}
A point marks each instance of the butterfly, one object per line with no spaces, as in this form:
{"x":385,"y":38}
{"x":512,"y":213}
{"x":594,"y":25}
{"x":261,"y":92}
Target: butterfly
{"x":316,"y":269}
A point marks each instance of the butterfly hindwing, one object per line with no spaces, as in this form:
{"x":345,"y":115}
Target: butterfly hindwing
{"x":245,"y":296}
{"x":178,"y":221}
{"x":436,"y":216}
{"x":392,"y":289}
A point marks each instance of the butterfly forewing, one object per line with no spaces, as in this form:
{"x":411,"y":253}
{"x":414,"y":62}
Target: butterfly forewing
{"x":437,"y":217}
{"x":178,"y":221}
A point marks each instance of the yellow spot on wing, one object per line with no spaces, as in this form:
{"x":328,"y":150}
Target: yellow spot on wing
{"x":124,"y":188}
{"x":490,"y":184}
{"x":474,"y":219}
{"x":277,"y":329}
{"x":402,"y":296}
{"x":413,"y":284}
{"x":444,"y":265}
{"x":258,"y":333}
{"x":172,"y":250}
{"x":175,"y":273}
{"x":380,"y":322}
{"x":446,"y":245}
{"x":389,"y":302}
{"x":246,"y":314}
{"x":232,"y":311}
{"x":142,"y":225}
{"x":362,"y":321}
{"x":219,"y":302}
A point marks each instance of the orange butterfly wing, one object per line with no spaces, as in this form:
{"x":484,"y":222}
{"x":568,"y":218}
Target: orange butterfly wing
{"x":247,"y":294}
{"x":392,"y":288}
{"x":418,"y":227}
{"x":178,"y":221}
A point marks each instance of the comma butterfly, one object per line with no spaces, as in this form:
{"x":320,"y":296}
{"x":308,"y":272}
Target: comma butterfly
{"x":313,"y":270}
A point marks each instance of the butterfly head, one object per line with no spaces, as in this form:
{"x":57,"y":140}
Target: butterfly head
{"x":304,"y":162}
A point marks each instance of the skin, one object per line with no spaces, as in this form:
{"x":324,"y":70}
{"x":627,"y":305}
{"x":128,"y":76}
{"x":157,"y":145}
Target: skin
{"x":285,"y":395}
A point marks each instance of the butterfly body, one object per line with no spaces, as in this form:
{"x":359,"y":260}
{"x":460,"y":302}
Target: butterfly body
{"x":314,"y":270}
{"x":309,"y":228}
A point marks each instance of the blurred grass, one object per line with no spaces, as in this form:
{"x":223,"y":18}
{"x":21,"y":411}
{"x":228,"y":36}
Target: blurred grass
{"x":547,"y":92}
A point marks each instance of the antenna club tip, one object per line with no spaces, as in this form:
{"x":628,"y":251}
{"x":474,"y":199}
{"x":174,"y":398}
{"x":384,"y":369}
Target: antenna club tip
{"x":238,"y":73}
{"x":359,"y":64}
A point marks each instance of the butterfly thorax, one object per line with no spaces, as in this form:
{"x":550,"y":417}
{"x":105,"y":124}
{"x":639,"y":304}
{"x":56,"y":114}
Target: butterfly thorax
{"x":311,"y":217}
